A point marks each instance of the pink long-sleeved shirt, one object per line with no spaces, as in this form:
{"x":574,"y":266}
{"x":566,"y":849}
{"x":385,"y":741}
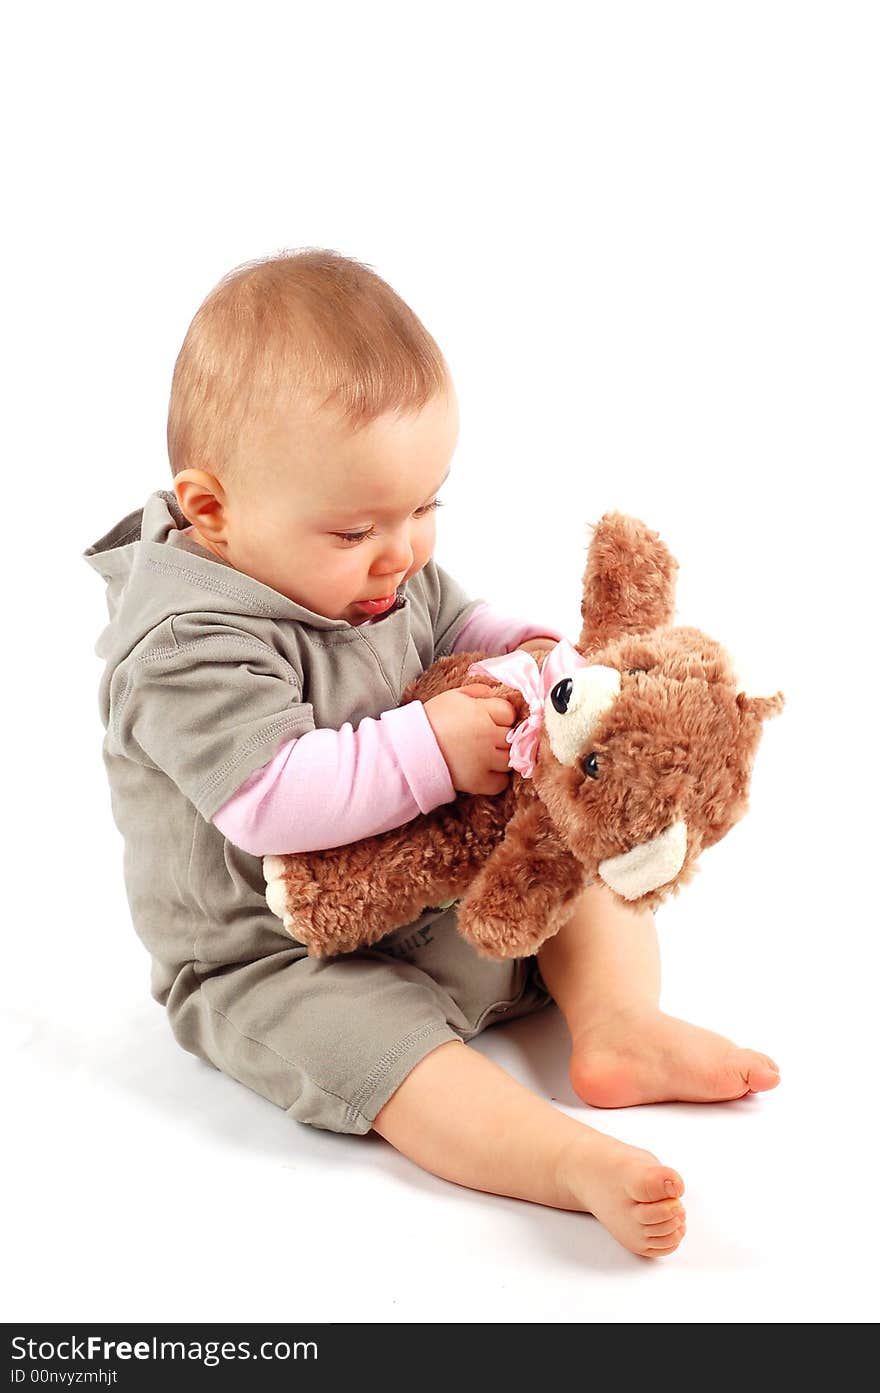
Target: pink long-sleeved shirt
{"x":368,"y":780}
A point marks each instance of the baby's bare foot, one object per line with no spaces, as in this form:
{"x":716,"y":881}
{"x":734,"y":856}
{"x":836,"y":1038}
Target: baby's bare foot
{"x":636,"y":1198}
{"x":649,"y":1057}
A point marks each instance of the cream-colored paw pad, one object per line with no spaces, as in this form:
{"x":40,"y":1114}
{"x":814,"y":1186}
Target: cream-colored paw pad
{"x":276,"y":890}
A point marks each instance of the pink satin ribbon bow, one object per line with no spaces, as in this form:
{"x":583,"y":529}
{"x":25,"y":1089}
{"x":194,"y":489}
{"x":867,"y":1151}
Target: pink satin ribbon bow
{"x":519,"y":669}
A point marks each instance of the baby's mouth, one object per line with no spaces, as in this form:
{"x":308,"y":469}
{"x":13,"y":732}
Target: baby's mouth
{"x":376,"y":606}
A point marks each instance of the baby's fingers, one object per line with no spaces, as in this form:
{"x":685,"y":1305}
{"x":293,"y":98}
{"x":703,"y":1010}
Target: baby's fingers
{"x":476,"y":689}
{"x":500,"y":760}
{"x":503,"y":712}
{"x":495,"y":783}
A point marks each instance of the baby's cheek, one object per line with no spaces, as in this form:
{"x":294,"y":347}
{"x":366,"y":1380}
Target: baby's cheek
{"x":339,"y":566}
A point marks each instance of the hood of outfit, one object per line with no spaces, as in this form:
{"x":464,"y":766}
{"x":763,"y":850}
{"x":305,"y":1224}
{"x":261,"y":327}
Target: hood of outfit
{"x":153,"y":569}
{"x":207,"y":672}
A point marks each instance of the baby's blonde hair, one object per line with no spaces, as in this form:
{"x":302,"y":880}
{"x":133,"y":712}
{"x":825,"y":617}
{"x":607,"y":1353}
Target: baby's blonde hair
{"x":309,"y":328}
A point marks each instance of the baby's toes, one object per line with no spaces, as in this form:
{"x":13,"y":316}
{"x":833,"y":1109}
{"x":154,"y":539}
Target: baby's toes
{"x":651,"y":1183}
{"x":657,"y":1247}
{"x":661,"y":1227}
{"x":757,"y":1071}
{"x":763,"y":1073}
{"x":650,"y":1217}
{"x":668,"y":1226}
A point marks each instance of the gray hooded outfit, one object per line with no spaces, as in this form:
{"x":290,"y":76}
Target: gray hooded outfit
{"x":208,"y":672}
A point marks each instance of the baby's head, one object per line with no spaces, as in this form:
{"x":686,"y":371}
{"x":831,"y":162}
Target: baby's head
{"x":312,"y":422}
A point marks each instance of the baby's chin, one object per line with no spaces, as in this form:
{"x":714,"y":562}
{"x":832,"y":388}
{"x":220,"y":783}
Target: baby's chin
{"x":324,"y":608}
{"x":350,"y":613}
{"x":359,"y":613}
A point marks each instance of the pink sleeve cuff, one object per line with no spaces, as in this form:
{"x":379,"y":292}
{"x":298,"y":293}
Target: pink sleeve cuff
{"x":415,"y":744}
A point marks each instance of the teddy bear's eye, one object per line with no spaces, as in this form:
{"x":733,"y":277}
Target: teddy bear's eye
{"x":632,"y":670}
{"x":561,"y":695}
{"x":591,"y":766}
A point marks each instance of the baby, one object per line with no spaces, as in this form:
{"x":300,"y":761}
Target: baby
{"x":265,"y":617}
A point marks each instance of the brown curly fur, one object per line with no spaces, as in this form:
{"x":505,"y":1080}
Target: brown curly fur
{"x":678,"y":743}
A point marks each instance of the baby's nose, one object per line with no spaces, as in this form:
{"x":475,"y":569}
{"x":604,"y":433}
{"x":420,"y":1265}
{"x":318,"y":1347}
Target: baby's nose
{"x":397,"y":554}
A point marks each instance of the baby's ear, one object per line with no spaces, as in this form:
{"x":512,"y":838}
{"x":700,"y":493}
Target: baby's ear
{"x":762,"y":707}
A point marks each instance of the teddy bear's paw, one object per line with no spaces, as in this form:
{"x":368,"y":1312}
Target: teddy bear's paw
{"x":506,"y":920}
{"x":309,"y":913}
{"x":288,"y":886}
{"x":276,"y":889}
{"x":499,"y":935}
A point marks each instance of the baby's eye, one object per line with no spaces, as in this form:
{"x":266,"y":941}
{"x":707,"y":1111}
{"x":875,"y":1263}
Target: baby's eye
{"x":354,"y":536}
{"x":428,"y":508}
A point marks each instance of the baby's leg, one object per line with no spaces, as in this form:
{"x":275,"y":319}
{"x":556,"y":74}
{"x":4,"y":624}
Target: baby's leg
{"x":460,"y":1116}
{"x":603,"y":969}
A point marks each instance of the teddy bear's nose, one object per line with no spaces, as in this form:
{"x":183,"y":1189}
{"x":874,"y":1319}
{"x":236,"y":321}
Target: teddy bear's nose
{"x":561,"y":695}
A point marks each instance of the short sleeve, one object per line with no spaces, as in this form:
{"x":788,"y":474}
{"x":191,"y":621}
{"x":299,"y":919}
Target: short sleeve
{"x":450,"y":607}
{"x":207,"y":708}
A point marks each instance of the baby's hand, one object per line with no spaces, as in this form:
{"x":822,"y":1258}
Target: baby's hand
{"x":470,"y":726}
{"x":538,"y":648}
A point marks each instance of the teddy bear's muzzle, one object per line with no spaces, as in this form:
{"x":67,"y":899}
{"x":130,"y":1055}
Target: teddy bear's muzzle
{"x":575,"y":705}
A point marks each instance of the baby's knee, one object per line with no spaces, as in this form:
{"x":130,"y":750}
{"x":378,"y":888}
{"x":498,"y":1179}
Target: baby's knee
{"x":430,"y":1086}
{"x":328,"y":1043}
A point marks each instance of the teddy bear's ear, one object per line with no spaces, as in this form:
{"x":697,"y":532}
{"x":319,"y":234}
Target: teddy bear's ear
{"x":749,"y":681}
{"x":762,"y":707}
{"x":629,"y":582}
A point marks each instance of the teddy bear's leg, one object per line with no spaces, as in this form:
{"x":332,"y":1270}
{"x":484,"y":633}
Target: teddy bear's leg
{"x":521,"y":895}
{"x":350,"y":897}
{"x":341,"y":901}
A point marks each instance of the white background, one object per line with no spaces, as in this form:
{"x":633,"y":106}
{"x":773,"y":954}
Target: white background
{"x":646,"y":238}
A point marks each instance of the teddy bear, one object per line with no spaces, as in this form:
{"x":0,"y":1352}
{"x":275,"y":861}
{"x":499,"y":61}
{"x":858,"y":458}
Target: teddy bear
{"x":632,"y":752}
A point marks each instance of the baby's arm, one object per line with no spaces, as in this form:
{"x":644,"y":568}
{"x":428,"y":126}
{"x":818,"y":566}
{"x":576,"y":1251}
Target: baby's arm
{"x":488,"y":630}
{"x":329,"y":788}
{"x":334,"y":788}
